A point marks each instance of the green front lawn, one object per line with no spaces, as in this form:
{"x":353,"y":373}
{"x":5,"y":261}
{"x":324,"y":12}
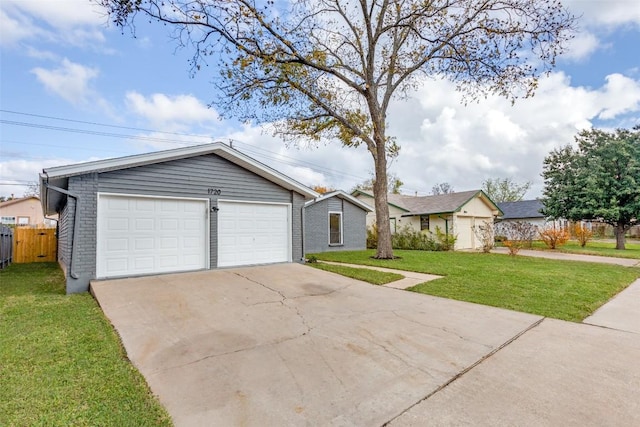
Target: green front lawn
{"x":61,"y":362}
{"x":595,"y":247}
{"x":561,"y":289}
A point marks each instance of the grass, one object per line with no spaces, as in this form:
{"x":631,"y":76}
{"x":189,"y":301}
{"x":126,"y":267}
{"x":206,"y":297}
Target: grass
{"x":61,"y":362}
{"x":560,"y":289}
{"x":365,"y":274}
{"x":595,"y":247}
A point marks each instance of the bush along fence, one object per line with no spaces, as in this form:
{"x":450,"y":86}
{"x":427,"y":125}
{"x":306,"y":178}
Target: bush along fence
{"x":6,"y":246}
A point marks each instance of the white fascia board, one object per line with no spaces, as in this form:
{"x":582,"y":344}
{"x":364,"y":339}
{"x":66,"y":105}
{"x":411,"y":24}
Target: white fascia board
{"x":342,"y":195}
{"x":218,"y":148}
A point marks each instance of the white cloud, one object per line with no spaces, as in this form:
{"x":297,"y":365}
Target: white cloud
{"x":606,"y":13}
{"x":583,"y":45}
{"x":620,"y":95}
{"x":465,"y":145}
{"x":171,"y":113}
{"x":70,"y":81}
{"x":75,"y":22}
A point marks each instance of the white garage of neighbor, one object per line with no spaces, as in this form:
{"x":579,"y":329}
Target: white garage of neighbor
{"x":186,"y":209}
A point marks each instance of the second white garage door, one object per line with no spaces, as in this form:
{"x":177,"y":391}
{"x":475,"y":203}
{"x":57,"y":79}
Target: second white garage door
{"x":253,"y":233}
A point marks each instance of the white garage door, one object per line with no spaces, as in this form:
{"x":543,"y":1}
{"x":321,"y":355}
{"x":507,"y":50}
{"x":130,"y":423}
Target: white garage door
{"x":148,"y":235}
{"x":253,"y":233}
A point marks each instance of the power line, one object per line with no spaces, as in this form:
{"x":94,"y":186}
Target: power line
{"x":248,"y":147}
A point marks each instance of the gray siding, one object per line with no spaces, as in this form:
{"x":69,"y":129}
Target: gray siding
{"x":354,"y":228}
{"x":191,"y":177}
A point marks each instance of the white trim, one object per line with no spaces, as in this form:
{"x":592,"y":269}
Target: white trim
{"x":207,"y":254}
{"x":341,"y":195}
{"x":218,"y":148}
{"x":341,"y":228}
{"x":255,"y":202}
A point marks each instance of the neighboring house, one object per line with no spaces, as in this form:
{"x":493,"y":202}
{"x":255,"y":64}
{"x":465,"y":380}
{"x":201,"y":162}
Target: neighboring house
{"x":335,"y":221}
{"x":191,"y":208}
{"x":453,"y":213}
{"x":26,"y":211}
{"x":523,"y":210}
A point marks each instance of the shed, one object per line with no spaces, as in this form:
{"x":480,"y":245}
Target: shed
{"x":335,"y":221}
{"x":191,"y":208}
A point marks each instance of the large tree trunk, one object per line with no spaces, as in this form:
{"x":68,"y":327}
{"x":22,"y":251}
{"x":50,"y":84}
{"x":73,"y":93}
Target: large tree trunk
{"x":619,"y":230}
{"x":380,"y":190}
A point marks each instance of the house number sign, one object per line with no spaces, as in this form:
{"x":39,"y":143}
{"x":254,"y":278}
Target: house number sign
{"x":214,"y":191}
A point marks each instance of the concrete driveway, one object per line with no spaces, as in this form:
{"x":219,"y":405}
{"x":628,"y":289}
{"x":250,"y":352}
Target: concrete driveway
{"x":291,"y":345}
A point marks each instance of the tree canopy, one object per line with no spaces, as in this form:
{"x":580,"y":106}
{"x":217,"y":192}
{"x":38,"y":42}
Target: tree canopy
{"x":505,"y":189}
{"x":442,"y":188}
{"x":599,"y":179}
{"x":328,"y":69}
{"x":393,"y":184}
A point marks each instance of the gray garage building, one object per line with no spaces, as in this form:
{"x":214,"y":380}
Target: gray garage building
{"x":335,"y":221}
{"x":186,"y":209}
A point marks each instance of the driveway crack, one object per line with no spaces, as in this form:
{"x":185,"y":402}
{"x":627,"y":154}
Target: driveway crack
{"x":468,"y":368}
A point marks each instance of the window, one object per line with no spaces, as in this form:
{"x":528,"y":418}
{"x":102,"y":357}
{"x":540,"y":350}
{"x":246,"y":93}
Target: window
{"x":9,"y":220}
{"x":424,"y":222}
{"x":392,"y":225}
{"x":335,"y":228}
{"x":23,"y":220}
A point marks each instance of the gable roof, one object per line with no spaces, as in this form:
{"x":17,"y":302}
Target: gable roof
{"x":521,"y":209}
{"x":356,"y":193}
{"x":341,"y":195}
{"x":441,"y":203}
{"x":432,"y":205}
{"x":14,"y":201}
{"x":58,"y":176}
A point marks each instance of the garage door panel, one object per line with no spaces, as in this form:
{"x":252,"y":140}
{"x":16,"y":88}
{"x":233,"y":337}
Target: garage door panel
{"x":139,"y":235}
{"x":253,"y":233}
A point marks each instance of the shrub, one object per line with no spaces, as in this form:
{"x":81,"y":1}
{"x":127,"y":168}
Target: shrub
{"x":553,"y":236}
{"x":582,"y":233}
{"x":372,"y":237}
{"x":517,"y":235}
{"x":407,"y":238}
{"x":485,"y":233}
{"x":446,"y":242}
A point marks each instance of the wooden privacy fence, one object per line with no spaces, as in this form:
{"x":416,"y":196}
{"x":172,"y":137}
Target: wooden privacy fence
{"x":34,"y":245}
{"x":6,"y":246}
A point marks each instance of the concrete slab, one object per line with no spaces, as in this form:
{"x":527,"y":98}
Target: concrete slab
{"x":293,"y":345}
{"x":558,"y":373}
{"x":572,"y":257}
{"x":621,"y":312}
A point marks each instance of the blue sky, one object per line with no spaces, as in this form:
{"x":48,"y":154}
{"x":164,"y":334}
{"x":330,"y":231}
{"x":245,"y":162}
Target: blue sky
{"x":73,"y":88}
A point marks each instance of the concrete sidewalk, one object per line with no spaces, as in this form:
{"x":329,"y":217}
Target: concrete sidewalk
{"x":622,"y":312}
{"x":625,"y":262}
{"x":411,"y":278}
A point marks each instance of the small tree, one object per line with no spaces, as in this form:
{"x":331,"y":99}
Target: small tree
{"x":582,"y":233}
{"x":553,"y":236}
{"x":486,"y":234}
{"x":505,"y":189}
{"x":517,"y":235}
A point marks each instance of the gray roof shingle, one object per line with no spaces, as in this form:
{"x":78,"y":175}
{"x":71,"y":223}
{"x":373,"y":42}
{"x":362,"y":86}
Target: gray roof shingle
{"x":521,"y":209}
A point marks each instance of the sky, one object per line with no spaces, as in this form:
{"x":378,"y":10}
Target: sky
{"x":74,"y":88}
